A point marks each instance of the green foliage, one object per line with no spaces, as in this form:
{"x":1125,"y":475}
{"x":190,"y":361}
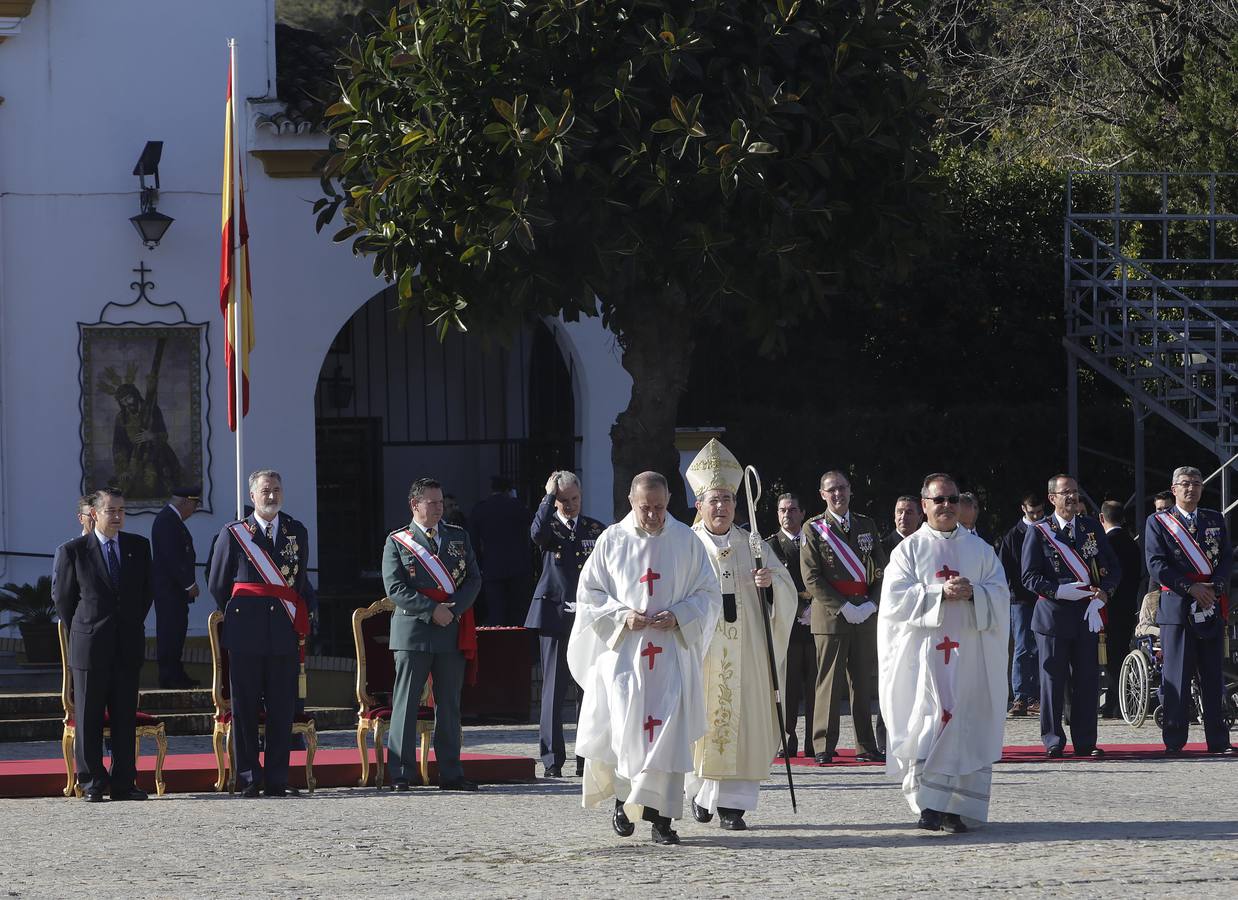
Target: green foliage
{"x":731,"y":158}
{"x":28,"y":603}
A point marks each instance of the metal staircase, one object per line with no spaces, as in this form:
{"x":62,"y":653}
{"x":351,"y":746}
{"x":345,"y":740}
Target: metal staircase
{"x":1151,"y":283}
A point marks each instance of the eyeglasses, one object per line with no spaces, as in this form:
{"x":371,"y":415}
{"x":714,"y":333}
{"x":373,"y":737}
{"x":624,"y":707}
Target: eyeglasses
{"x":1064,"y":493}
{"x":1189,"y":484}
{"x":952,"y":499}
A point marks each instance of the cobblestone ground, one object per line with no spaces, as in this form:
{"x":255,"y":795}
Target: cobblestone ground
{"x":1095,"y":829}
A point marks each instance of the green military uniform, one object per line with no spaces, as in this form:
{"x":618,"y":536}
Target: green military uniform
{"x":422,"y":648}
{"x":843,"y":647}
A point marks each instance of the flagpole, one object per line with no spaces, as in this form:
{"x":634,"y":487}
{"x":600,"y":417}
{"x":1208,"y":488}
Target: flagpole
{"x":238,"y":311}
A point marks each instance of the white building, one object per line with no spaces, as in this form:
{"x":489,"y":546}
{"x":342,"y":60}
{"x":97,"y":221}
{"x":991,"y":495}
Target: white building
{"x":347,"y":405}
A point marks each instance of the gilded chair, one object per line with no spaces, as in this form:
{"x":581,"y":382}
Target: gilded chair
{"x":148,"y":726}
{"x":371,"y":627}
{"x":221,"y":734}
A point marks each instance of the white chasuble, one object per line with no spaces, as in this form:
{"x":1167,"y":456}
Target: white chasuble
{"x":642,"y":705}
{"x":942,"y":670}
{"x":742,"y":733}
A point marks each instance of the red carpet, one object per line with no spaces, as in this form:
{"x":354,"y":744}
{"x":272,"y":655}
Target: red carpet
{"x":1036,"y":753}
{"x":196,"y":772}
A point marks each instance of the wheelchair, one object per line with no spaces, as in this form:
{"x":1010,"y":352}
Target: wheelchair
{"x":1139,"y":684}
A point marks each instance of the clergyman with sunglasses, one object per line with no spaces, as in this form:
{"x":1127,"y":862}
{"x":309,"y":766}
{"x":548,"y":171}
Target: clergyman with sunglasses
{"x":1070,"y":566}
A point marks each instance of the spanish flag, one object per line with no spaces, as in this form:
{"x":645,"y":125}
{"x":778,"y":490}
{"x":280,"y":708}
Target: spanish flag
{"x":229,"y":302}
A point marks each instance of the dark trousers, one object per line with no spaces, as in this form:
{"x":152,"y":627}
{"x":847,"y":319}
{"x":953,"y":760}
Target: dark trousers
{"x":1073,"y":660}
{"x":1024,"y":661}
{"x":411,"y":669}
{"x":555,"y":679}
{"x":1187,"y":654}
{"x":114,"y":689}
{"x":801,"y":686}
{"x":848,"y":658}
{"x":505,"y":601}
{"x":171,"y":623}
{"x":268,"y":679}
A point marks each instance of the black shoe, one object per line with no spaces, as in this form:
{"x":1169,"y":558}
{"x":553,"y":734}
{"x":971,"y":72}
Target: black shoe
{"x":620,"y":822}
{"x":1094,"y":752}
{"x":663,"y":833}
{"x":953,"y":823}
{"x":701,"y":814}
{"x":284,"y":791}
{"x":94,"y":796}
{"x":791,"y":750}
{"x":400,"y":784}
{"x":930,"y":820}
{"x":131,"y":794}
{"x":732,"y":820}
{"x":1227,"y":750}
{"x":553,"y":772}
{"x":824,"y":759}
{"x":458,"y":784}
{"x":252,"y":790}
{"x":809,"y":753}
{"x":870,"y":757}
{"x":1173,"y":751}
{"x":1054,"y":753}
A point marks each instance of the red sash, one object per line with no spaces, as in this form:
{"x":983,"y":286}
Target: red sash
{"x":1222,"y":599}
{"x":466,"y":640}
{"x":857,"y":585}
{"x":1196,"y":556}
{"x":1074,"y":561}
{"x":272,"y":584}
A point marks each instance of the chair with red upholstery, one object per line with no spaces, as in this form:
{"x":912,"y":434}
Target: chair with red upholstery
{"x":147,"y":726}
{"x":371,"y":628}
{"x":221,"y":735}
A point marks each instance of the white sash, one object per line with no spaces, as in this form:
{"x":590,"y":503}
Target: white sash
{"x":1069,"y":555}
{"x":843,"y":551}
{"x":431,"y":562}
{"x":267,"y":569}
{"x":1189,"y":545}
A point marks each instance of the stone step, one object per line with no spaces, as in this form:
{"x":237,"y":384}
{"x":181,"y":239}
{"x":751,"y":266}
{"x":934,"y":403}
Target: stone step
{"x":47,"y":703}
{"x":50,"y":728}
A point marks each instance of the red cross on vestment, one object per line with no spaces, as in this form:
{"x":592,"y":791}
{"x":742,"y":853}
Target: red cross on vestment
{"x":648,"y":579}
{"x":946,"y":716}
{"x":651,"y":650}
{"x":946,"y":646}
{"x":947,"y":573}
{"x":650,"y":724}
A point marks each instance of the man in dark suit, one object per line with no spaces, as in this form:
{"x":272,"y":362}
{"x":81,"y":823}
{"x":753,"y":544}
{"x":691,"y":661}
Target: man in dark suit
{"x":102,"y":591}
{"x":1069,"y":565}
{"x":1024,"y":661}
{"x":1189,"y":555}
{"x":801,"y":681}
{"x":1123,"y":608}
{"x":430,"y":573}
{"x":566,"y":539}
{"x":969,"y":516}
{"x":258,"y":578}
{"x":908,"y":517}
{"x":175,"y":583}
{"x":497,"y":526}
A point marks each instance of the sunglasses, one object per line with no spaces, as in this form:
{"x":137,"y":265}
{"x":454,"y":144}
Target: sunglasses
{"x":952,"y":499}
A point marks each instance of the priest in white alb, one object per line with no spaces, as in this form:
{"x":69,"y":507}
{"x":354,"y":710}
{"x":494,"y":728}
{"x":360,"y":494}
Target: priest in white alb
{"x":942,"y":633}
{"x":734,"y":755}
{"x":646,"y":604}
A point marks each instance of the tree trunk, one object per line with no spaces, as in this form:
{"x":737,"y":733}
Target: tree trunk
{"x":657,"y":353}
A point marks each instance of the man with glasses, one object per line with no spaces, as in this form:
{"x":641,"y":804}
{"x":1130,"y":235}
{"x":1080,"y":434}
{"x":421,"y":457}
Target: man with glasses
{"x":842,"y":561}
{"x":942,"y":633}
{"x":1069,"y":565}
{"x":176,"y":584}
{"x":1189,"y":555}
{"x":1024,"y":683}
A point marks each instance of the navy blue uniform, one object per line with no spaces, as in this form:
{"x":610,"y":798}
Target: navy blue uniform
{"x":564,"y":552}
{"x":263,"y":648}
{"x":107,"y":644}
{"x":173,"y":575}
{"x":1066,"y":647}
{"x":1189,"y":647}
{"x":1024,"y":683}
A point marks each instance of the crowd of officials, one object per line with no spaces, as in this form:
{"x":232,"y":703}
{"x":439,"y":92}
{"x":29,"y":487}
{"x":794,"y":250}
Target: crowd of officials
{"x":1078,"y":584}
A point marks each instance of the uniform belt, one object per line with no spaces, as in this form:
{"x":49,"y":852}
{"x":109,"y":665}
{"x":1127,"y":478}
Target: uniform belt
{"x":850,"y":588}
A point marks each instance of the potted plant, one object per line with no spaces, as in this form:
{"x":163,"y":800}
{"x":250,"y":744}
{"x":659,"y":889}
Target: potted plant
{"x":34,"y":614}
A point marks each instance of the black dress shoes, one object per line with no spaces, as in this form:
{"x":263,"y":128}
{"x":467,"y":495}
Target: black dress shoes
{"x":952,"y":823}
{"x":662,"y":832}
{"x":930,"y":820}
{"x":1227,"y":750}
{"x":252,"y":790}
{"x":400,"y":784}
{"x":1094,"y":752}
{"x":553,"y":772}
{"x":284,"y":791}
{"x":458,"y":784}
{"x":620,"y":822}
{"x":94,"y":796}
{"x":1054,"y":753}
{"x":131,"y":794}
{"x":701,"y":814}
{"x":732,"y":819}
{"x":1173,"y":751}
{"x":824,"y":759}
{"x":870,"y":757}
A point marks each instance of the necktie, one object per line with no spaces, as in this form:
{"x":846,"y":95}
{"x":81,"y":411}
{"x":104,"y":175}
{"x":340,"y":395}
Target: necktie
{"x":113,"y":563}
{"x":1070,"y":532}
{"x":571,"y":525}
{"x":432,"y":534}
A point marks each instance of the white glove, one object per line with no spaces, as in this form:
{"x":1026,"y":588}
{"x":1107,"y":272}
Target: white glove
{"x":851,"y":613}
{"x":1092,"y":616}
{"x":569,"y":606}
{"x":1076,"y":590}
{"x":866,"y":609}
{"x":805,"y":618}
{"x":1201,"y":615}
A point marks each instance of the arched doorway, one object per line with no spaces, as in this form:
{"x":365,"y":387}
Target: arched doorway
{"x":393,"y":403}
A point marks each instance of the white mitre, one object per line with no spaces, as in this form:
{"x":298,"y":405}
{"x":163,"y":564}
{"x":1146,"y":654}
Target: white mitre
{"x":715,"y":468}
